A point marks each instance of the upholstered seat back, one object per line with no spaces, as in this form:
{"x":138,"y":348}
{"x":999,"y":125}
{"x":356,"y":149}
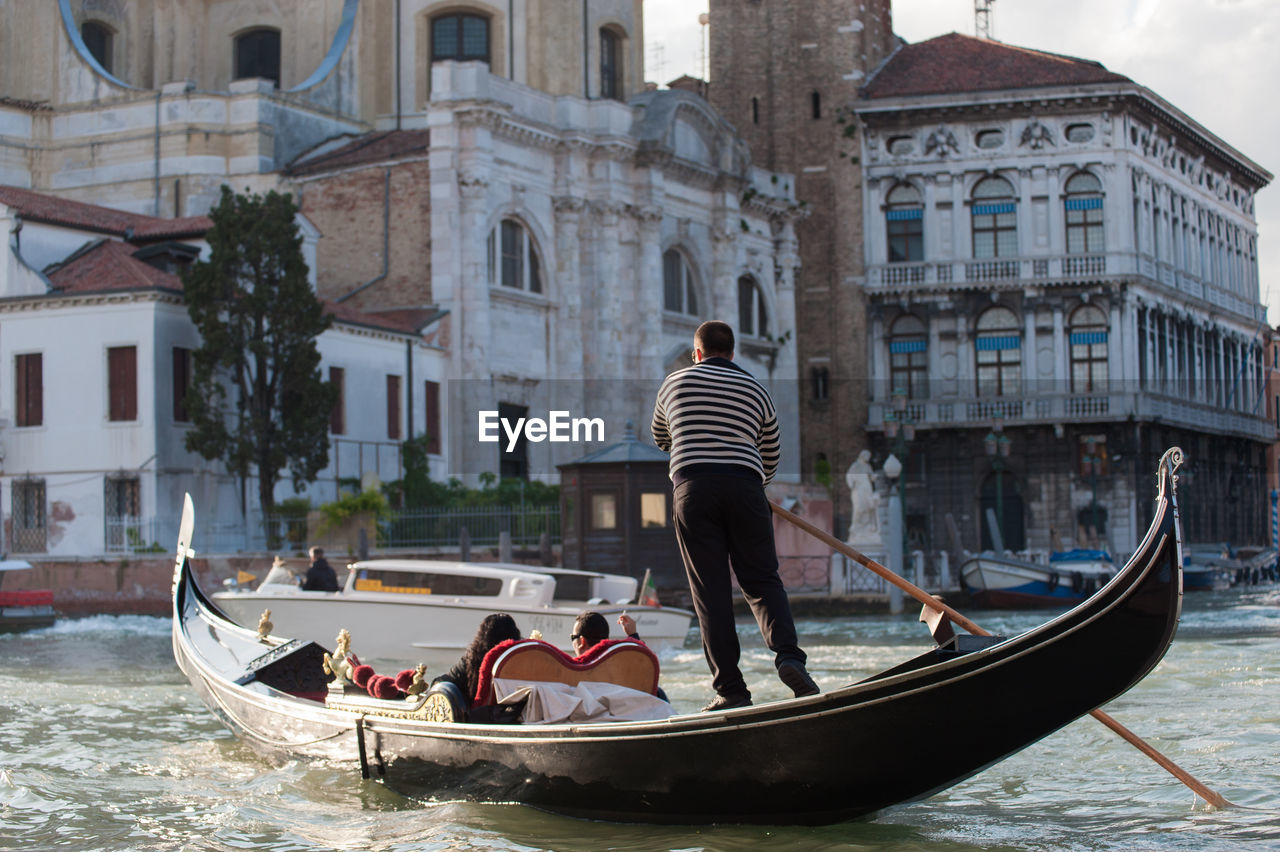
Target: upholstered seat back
{"x":625,"y":662}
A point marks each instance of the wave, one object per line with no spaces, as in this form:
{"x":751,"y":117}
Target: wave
{"x":116,"y":625}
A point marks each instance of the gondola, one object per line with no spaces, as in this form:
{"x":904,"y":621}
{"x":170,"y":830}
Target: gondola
{"x":852,"y":751}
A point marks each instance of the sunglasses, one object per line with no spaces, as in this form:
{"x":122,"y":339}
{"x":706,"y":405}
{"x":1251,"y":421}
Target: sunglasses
{"x":574,"y":637}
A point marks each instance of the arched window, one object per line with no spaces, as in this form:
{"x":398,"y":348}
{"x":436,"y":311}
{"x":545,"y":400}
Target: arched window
{"x":904,"y":221}
{"x":463,"y":37}
{"x":1083,"y":205}
{"x":1088,"y":349}
{"x":100,"y":40}
{"x":610,"y":64}
{"x":999,"y":353}
{"x":678,"y":291}
{"x":513,"y":261}
{"x":752,"y":316}
{"x":909,"y":357}
{"x":257,"y":54}
{"x":995,"y":219}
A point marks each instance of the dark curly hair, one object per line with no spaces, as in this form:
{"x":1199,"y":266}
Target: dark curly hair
{"x":494,"y":629}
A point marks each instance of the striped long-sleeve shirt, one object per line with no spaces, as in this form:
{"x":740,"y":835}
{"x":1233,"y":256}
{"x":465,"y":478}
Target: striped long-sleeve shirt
{"x":715,"y":414}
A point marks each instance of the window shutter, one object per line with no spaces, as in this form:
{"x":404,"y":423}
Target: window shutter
{"x":432,"y":396}
{"x":393,"y":408}
{"x":181,"y":383}
{"x":338,"y":415}
{"x":122,"y":383}
{"x":29,"y":382}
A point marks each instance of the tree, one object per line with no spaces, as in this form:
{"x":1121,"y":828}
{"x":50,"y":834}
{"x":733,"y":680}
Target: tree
{"x":257,"y":399}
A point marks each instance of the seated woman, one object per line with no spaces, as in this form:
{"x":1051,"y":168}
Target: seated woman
{"x":465,"y":674}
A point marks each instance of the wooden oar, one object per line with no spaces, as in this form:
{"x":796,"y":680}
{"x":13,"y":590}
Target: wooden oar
{"x":1215,"y":799}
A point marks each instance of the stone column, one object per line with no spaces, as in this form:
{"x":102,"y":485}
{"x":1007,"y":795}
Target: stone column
{"x":724,"y":265}
{"x":568,"y":217}
{"x":607,"y":342}
{"x":1057,"y":216}
{"x":474,"y":284}
{"x":649,"y":290}
{"x":1061,"y":353}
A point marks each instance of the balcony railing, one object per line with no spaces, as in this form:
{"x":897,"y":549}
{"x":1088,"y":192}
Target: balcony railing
{"x":1065,"y":268}
{"x":1039,"y":409}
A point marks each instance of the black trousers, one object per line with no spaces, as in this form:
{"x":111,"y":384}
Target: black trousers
{"x":724,"y":522}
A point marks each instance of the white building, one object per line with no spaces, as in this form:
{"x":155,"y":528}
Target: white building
{"x":1055,"y":248}
{"x":97,"y":342}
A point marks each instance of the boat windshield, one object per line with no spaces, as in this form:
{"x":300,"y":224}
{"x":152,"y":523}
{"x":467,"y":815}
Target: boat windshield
{"x":426,"y":583}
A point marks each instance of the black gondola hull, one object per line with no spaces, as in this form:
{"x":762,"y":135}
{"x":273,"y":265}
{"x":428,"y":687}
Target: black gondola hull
{"x":850,"y":752}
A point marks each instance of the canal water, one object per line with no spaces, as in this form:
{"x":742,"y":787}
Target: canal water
{"x":104,"y":746}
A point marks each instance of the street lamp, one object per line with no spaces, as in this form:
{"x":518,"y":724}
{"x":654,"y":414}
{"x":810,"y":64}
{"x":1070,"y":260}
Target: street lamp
{"x":900,"y":428}
{"x":998,"y":446}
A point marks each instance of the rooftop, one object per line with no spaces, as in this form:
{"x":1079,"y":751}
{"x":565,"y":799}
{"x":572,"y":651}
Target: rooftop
{"x":956,"y":63}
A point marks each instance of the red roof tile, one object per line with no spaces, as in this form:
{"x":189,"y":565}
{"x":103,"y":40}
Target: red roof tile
{"x":39,"y":207}
{"x":109,"y":265}
{"x":958,"y":63}
{"x":368,"y":148}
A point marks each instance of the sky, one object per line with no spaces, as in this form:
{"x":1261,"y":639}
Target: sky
{"x":1216,"y":60}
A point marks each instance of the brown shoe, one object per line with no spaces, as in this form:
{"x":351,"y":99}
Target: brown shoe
{"x":728,"y":702}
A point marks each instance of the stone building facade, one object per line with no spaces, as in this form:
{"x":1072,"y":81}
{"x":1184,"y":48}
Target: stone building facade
{"x":498,"y":167}
{"x":1056,"y":249}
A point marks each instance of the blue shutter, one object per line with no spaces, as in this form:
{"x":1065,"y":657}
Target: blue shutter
{"x":992,"y":344}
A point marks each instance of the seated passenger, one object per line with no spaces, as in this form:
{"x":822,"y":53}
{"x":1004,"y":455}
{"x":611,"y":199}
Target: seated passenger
{"x":320,"y":576}
{"x":591,"y":627}
{"x":465,"y":674}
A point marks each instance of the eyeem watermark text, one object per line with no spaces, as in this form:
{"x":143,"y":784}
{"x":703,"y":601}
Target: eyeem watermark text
{"x":558,"y":428}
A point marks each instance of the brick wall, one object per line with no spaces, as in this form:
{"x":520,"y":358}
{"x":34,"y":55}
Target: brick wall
{"x":781,"y":53}
{"x":350,"y":209}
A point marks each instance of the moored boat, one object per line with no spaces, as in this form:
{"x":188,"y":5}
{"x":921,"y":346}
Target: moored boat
{"x":850,"y":751}
{"x":414,"y":610}
{"x":1005,"y":582}
{"x":25,"y":609}
{"x":1208,"y":568}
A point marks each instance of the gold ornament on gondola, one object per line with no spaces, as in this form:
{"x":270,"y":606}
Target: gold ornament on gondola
{"x":340,"y":665}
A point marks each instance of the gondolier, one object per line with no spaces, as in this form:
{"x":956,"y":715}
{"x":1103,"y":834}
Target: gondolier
{"x":721,"y":429}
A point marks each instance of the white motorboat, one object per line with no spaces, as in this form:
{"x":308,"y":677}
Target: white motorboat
{"x":1010,"y":583}
{"x":414,"y":610}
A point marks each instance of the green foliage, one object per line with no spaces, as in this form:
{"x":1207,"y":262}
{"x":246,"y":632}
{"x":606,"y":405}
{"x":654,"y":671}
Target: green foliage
{"x":349,"y":505}
{"x":257,"y":400}
{"x":822,"y":473}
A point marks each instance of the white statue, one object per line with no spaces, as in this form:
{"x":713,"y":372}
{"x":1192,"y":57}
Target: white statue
{"x":864,"y":522}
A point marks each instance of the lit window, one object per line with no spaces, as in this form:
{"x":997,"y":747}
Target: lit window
{"x":257,"y":54}
{"x":678,"y":292}
{"x":513,"y":261}
{"x":1083,"y":205}
{"x":653,"y":509}
{"x":604,"y":511}
{"x":904,"y":222}
{"x":1088,"y":339}
{"x":995,"y":219}
{"x":461,"y":37}
{"x":909,"y":356}
{"x":999,"y":353}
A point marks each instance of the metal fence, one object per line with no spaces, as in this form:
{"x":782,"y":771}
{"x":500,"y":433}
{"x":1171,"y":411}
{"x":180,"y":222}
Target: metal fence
{"x":443,"y":527}
{"x":415,"y":528}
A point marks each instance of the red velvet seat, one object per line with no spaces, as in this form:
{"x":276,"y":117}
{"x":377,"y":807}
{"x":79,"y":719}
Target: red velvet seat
{"x":625,"y":662}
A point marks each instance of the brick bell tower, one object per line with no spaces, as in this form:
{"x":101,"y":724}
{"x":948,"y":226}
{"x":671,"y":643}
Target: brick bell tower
{"x":784,"y":73}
